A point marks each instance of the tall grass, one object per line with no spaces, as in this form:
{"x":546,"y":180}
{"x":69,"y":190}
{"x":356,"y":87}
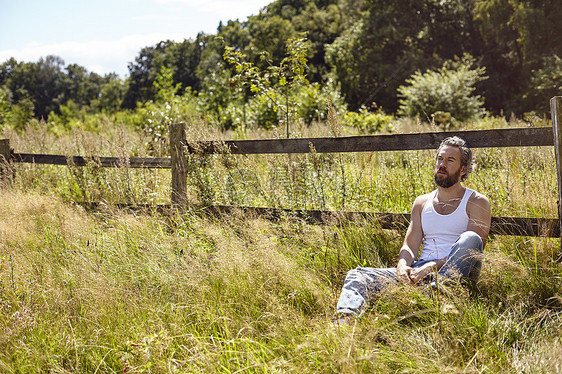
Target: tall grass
{"x":119,"y":291}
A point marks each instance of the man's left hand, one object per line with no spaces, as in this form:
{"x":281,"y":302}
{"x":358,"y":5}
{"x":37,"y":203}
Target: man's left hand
{"x":418,"y":274}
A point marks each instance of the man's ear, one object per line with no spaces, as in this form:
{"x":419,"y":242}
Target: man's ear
{"x":463,"y":170}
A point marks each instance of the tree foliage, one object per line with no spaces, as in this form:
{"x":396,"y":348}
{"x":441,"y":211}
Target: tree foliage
{"x":447,"y":91}
{"x":392,"y":39}
{"x":521,"y":38}
{"x":277,"y":83}
{"x":41,"y":88}
{"x":368,"y":49}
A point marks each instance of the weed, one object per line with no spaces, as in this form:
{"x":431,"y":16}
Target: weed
{"x":124,"y":291}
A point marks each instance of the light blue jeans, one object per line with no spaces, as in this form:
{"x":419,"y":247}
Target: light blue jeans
{"x":463,"y":264}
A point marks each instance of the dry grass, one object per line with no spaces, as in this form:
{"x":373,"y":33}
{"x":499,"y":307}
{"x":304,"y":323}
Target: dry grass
{"x":118,"y":291}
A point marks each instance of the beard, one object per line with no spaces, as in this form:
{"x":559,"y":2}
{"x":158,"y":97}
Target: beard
{"x":448,"y":181}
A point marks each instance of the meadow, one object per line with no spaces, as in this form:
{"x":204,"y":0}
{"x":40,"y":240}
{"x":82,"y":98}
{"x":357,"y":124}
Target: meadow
{"x":127,"y":291}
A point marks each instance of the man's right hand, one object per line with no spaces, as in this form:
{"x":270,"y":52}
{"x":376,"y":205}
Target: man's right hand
{"x":403,"y":272}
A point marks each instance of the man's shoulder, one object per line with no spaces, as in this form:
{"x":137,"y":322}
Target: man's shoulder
{"x":477,"y":197}
{"x":422,"y":199}
{"x":478,"y":200}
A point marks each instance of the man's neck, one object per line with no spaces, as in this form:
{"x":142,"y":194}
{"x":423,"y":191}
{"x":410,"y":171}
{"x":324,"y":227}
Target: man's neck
{"x":454,"y":192}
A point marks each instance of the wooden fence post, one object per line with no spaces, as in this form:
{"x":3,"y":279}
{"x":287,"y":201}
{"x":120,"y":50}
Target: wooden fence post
{"x":556,"y":113}
{"x":6,"y":171}
{"x":179,"y":165}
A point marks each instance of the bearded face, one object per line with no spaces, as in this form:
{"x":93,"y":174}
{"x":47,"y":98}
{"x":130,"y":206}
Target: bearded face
{"x":443,"y":179}
{"x":448,"y":168}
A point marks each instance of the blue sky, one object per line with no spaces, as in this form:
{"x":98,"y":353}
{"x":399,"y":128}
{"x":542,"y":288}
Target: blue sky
{"x":105,"y":35}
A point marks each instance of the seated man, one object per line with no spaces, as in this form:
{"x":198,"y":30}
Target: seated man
{"x":452,"y":223}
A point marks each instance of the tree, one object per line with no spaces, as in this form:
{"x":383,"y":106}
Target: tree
{"x":42,"y":87}
{"x":321,"y":20}
{"x":276,"y":83}
{"x":521,"y":37}
{"x":323,"y":26}
{"x":546,"y":83}
{"x":82,"y":87}
{"x":183,"y":59}
{"x":448,"y":90}
{"x":142,"y":74}
{"x":111,"y":95}
{"x":41,"y":83}
{"x":269,"y":35}
{"x":234,"y":34}
{"x":391,"y":39}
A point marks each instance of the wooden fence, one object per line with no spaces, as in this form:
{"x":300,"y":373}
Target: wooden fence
{"x":512,"y":137}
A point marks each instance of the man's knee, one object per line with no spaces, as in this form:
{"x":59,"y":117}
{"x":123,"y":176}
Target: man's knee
{"x":471,"y":240}
{"x":352,"y":276}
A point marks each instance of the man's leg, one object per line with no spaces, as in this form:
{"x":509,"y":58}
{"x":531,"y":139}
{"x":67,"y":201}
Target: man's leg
{"x":359,"y":285}
{"x":465,"y":260}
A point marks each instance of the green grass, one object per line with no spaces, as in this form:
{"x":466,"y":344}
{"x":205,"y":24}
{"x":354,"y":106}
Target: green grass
{"x":121,"y":291}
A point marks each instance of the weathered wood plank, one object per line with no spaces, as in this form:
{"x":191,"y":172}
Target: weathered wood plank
{"x":514,"y":226}
{"x":133,"y":162}
{"x":179,"y":165}
{"x":6,"y":170}
{"x":556,"y":113}
{"x":517,"y":137}
{"x":526,"y":226}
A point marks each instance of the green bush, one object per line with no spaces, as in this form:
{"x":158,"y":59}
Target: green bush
{"x":368,"y":122}
{"x":264,"y":111}
{"x":546,"y":82}
{"x":310,"y":101}
{"x":447,"y":90}
{"x":12,"y":115}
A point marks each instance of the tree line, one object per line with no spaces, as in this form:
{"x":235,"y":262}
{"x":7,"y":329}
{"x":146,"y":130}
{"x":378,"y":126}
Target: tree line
{"x":366,"y":50}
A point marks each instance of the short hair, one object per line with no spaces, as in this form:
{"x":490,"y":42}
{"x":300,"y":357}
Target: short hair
{"x":466,"y":153}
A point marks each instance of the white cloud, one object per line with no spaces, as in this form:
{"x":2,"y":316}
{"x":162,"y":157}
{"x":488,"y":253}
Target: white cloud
{"x":100,"y":56}
{"x":112,"y":54}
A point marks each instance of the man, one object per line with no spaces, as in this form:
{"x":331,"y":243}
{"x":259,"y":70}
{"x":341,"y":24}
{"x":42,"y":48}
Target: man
{"x":451,"y":224}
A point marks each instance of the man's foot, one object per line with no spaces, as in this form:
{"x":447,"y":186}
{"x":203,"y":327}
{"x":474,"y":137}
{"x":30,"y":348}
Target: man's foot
{"x":443,"y":288}
{"x":345,"y":320}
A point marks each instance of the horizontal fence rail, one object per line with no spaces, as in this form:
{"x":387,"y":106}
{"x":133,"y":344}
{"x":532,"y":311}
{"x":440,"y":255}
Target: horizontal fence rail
{"x":107,"y":162}
{"x":518,"y":226}
{"x":517,"y":137}
{"x":511,"y":137}
{"x":514,"y":226}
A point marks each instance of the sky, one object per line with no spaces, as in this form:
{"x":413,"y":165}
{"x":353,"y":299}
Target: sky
{"x":105,"y":35}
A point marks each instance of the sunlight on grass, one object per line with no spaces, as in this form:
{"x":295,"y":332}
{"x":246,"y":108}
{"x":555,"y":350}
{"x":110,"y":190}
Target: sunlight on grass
{"x":121,"y":291}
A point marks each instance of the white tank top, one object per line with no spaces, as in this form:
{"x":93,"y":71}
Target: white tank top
{"x":441,"y":231}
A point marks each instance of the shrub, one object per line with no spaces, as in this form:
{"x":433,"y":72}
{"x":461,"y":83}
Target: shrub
{"x":546,"y":82}
{"x":311,"y":101}
{"x":4,"y":106}
{"x":447,"y":90}
{"x":367,"y":122}
{"x":264,"y":110}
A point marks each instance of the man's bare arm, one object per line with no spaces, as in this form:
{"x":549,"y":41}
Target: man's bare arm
{"x":479,"y":215}
{"x":412,"y":241}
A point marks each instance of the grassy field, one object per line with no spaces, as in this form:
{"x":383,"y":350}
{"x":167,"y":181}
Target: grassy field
{"x":126,"y":291}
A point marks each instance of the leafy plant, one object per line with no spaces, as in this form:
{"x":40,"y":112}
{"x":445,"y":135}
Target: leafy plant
{"x":155,"y":116}
{"x":277,"y":82}
{"x":448,"y":89}
{"x":546,"y":82}
{"x":368,"y":122}
{"x":4,"y":106}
